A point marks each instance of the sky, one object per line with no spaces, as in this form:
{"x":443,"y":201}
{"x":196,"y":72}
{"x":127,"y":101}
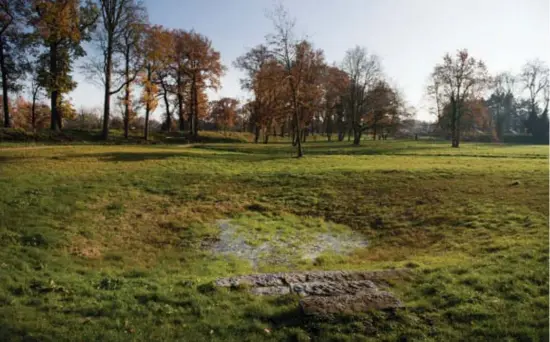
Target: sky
{"x":410,"y":36}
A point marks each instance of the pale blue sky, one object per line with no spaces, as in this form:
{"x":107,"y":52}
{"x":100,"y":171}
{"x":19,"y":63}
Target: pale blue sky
{"x":410,"y":36}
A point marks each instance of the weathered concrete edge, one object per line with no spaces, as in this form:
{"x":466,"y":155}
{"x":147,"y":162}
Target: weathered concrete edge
{"x":287,"y":278}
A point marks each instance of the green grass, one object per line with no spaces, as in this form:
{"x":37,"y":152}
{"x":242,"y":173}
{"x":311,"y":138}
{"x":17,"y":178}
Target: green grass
{"x":108,"y":242}
{"x":17,"y":136}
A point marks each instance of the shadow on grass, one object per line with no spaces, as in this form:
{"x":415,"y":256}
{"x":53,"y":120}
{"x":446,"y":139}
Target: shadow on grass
{"x":327,"y":148}
{"x":256,"y":157}
{"x":314,"y":149}
{"x":145,"y":156}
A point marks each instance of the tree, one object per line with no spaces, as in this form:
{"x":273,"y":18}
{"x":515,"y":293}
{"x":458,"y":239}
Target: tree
{"x":309,"y":66}
{"x":535,"y":78}
{"x":204,"y":69}
{"x":335,"y":85}
{"x":224,"y":112}
{"x":36,"y":91}
{"x":164,"y":45}
{"x":460,"y":79}
{"x":475,"y":117}
{"x":120,"y":25}
{"x":129,"y":47}
{"x":284,"y":46}
{"x":252,"y":63}
{"x":501,"y":103}
{"x":61,"y":26}
{"x":383,"y":106}
{"x":150,"y":46}
{"x":181,"y":79}
{"x":13,"y":63}
{"x":66,"y":109}
{"x":364,"y":71}
{"x":271,"y":93}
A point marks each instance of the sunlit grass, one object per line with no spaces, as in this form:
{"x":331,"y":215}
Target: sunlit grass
{"x":111,"y":242}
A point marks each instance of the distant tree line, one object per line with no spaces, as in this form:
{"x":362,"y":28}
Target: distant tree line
{"x":468,"y":99}
{"x":293,"y":90}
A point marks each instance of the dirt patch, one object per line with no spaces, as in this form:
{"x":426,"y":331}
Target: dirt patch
{"x":88,"y":252}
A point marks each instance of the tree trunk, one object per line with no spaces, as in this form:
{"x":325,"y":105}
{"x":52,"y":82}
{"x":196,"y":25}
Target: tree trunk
{"x":328,"y":128}
{"x":356,"y":137}
{"x":298,"y":142}
{"x":54,"y":94}
{"x":282,"y":130}
{"x":147,"y":106}
{"x":256,"y":133}
{"x":5,"y":104}
{"x":457,"y":143}
{"x":60,"y":116}
{"x":266,"y":136}
{"x":296,"y":119}
{"x":168,"y":120}
{"x":146,"y":128}
{"x":127,"y":93}
{"x":180,"y":104}
{"x":194,"y":111}
{"x":304,"y":135}
{"x":357,"y":132}
{"x":33,"y":113}
{"x":107,"y":100}
{"x":454,"y":123}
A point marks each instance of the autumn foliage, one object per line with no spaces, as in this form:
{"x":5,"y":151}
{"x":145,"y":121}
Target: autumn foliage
{"x":291,"y":89}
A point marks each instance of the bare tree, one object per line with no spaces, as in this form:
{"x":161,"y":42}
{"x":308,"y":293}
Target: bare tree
{"x":35,"y":91}
{"x":501,"y":102}
{"x":129,"y":48}
{"x":535,"y":79}
{"x":434,"y":90}
{"x":117,"y":18}
{"x":364,"y":71}
{"x":283,"y":46}
{"x":460,"y":79}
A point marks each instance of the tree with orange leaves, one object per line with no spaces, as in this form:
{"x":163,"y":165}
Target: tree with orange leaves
{"x":224,"y":112}
{"x":204,"y":69}
{"x":181,"y":79}
{"x":61,"y":26}
{"x":256,"y":63}
{"x":154,"y":61}
{"x":309,"y":66}
{"x":335,"y":84}
{"x":302,"y":67}
{"x":475,"y":117}
{"x":271,"y":92}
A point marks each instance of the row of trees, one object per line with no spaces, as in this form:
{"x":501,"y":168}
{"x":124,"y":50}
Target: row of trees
{"x":294,"y":90}
{"x":41,"y":39}
{"x":460,"y":85}
{"x":292,"y":85}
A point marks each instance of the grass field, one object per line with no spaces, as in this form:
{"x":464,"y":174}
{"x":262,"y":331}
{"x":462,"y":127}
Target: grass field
{"x":108,"y":242}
